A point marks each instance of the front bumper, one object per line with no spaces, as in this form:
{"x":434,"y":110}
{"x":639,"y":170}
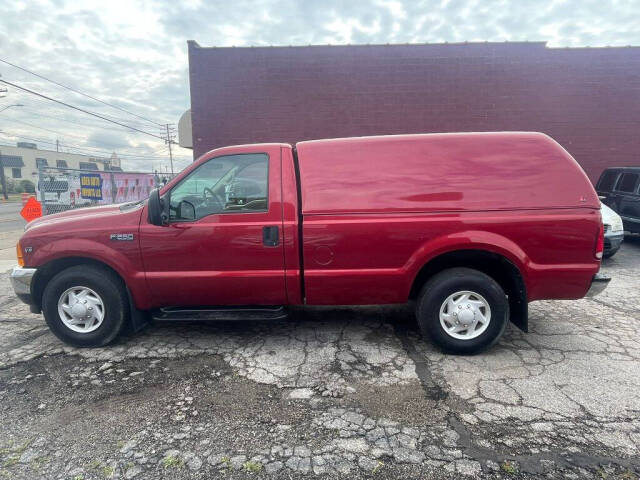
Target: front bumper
{"x":21,"y":280}
{"x":598,"y":284}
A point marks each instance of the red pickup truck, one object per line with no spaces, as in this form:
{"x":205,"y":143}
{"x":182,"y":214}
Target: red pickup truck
{"x":470,"y":226}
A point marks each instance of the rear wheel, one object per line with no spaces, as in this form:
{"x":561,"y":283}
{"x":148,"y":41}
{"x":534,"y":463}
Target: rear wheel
{"x":85,"y":306}
{"x":462,"y":310}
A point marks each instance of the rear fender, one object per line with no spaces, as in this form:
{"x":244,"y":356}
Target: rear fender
{"x":469,"y":240}
{"x":485,"y":242}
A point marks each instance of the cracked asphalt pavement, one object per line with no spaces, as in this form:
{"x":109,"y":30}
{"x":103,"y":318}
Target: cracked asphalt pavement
{"x":331,"y":392}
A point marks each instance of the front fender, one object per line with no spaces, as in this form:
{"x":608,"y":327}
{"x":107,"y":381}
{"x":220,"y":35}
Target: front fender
{"x":122,"y":257}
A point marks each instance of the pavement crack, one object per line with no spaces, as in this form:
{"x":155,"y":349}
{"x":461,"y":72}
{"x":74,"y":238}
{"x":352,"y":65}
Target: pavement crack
{"x":422,"y":365}
{"x":532,"y":463}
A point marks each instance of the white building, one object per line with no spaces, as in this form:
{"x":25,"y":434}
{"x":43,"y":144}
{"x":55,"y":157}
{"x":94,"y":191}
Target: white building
{"x":23,"y":160}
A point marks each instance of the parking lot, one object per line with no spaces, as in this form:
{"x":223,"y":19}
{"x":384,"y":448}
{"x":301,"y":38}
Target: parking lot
{"x":331,"y":391}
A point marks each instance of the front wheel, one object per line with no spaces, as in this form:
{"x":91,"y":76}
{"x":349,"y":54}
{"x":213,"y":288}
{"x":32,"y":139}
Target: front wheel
{"x":462,"y":310}
{"x":85,"y":306}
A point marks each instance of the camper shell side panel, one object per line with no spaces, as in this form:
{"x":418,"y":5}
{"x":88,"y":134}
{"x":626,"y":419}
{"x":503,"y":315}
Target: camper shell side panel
{"x":440,"y":172}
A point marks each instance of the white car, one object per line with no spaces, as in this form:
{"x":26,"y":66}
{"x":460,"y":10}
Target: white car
{"x":613,"y":230}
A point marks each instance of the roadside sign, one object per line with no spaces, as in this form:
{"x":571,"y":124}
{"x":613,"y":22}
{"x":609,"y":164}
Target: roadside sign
{"x":31,"y":210}
{"x":91,"y":186}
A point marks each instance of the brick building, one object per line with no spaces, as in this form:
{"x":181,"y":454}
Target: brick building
{"x":586,"y":98}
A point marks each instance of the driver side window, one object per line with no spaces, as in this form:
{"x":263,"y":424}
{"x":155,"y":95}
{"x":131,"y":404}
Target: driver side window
{"x":227,"y":184}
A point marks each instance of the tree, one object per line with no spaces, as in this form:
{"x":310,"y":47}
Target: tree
{"x":27,"y":186}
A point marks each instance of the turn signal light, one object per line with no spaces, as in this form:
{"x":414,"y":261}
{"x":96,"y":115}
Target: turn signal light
{"x":600,"y":242}
{"x":19,"y":253}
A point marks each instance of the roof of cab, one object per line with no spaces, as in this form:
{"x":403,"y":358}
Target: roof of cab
{"x":440,"y":172}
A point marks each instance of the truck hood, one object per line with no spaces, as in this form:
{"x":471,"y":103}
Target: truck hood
{"x":88,"y":214}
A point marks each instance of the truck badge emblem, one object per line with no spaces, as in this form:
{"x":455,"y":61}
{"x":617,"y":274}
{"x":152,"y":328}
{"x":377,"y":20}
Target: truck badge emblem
{"x":122,"y":237}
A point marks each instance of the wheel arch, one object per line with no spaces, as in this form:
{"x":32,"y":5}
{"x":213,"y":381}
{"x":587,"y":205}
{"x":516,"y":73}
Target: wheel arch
{"x":493,"y":264}
{"x":46,"y":272}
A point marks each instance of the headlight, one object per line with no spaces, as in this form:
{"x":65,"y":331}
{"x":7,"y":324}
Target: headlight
{"x":616,"y":225}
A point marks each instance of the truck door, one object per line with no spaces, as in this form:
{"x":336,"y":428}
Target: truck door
{"x":223,"y":243}
{"x":605,"y":187}
{"x":628,"y":200}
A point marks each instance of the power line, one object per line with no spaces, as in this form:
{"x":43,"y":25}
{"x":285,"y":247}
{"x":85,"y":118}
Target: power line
{"x":79,"y":109}
{"x":46,"y":129}
{"x":104,"y":152}
{"x":78,"y":92}
{"x":134,"y":158}
{"x":32,"y":111}
{"x":65,"y":135}
{"x":86,"y":149}
{"x":36,"y":113}
{"x":108,"y":145}
{"x":158,"y":156}
{"x":36,"y":106}
{"x":34,"y":103}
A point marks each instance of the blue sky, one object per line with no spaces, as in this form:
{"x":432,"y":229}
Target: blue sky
{"x":134,"y":53}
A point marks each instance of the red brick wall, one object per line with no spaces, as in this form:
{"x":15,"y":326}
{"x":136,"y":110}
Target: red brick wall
{"x":588,"y":99}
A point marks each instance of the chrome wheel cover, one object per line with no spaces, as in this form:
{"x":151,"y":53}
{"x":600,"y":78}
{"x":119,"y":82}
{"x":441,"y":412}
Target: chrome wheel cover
{"x":81,"y":309}
{"x":465,"y":315}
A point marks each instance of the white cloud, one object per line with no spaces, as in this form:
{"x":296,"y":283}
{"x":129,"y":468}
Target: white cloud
{"x":134,"y":54}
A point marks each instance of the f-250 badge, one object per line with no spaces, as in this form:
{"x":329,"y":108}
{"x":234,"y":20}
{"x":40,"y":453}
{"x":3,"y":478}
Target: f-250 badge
{"x":122,"y":237}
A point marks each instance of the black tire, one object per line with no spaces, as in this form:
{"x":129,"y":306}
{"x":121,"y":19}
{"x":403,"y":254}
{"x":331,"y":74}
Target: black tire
{"x":438,"y":289}
{"x":112,"y":293}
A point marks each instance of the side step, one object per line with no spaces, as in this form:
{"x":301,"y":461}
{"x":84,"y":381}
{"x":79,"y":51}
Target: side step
{"x":225,"y":313}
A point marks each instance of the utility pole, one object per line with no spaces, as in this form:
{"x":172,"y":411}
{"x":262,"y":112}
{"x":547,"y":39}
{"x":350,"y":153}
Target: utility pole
{"x":57,"y":145}
{"x":3,"y":181}
{"x":169,"y":141}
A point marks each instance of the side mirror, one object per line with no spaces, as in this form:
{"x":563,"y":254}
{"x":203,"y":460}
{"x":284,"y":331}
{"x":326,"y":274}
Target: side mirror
{"x":186,"y":211}
{"x":157,"y":214}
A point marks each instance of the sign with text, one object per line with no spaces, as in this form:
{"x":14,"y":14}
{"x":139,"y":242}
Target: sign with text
{"x":91,"y":186}
{"x":31,"y":210}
